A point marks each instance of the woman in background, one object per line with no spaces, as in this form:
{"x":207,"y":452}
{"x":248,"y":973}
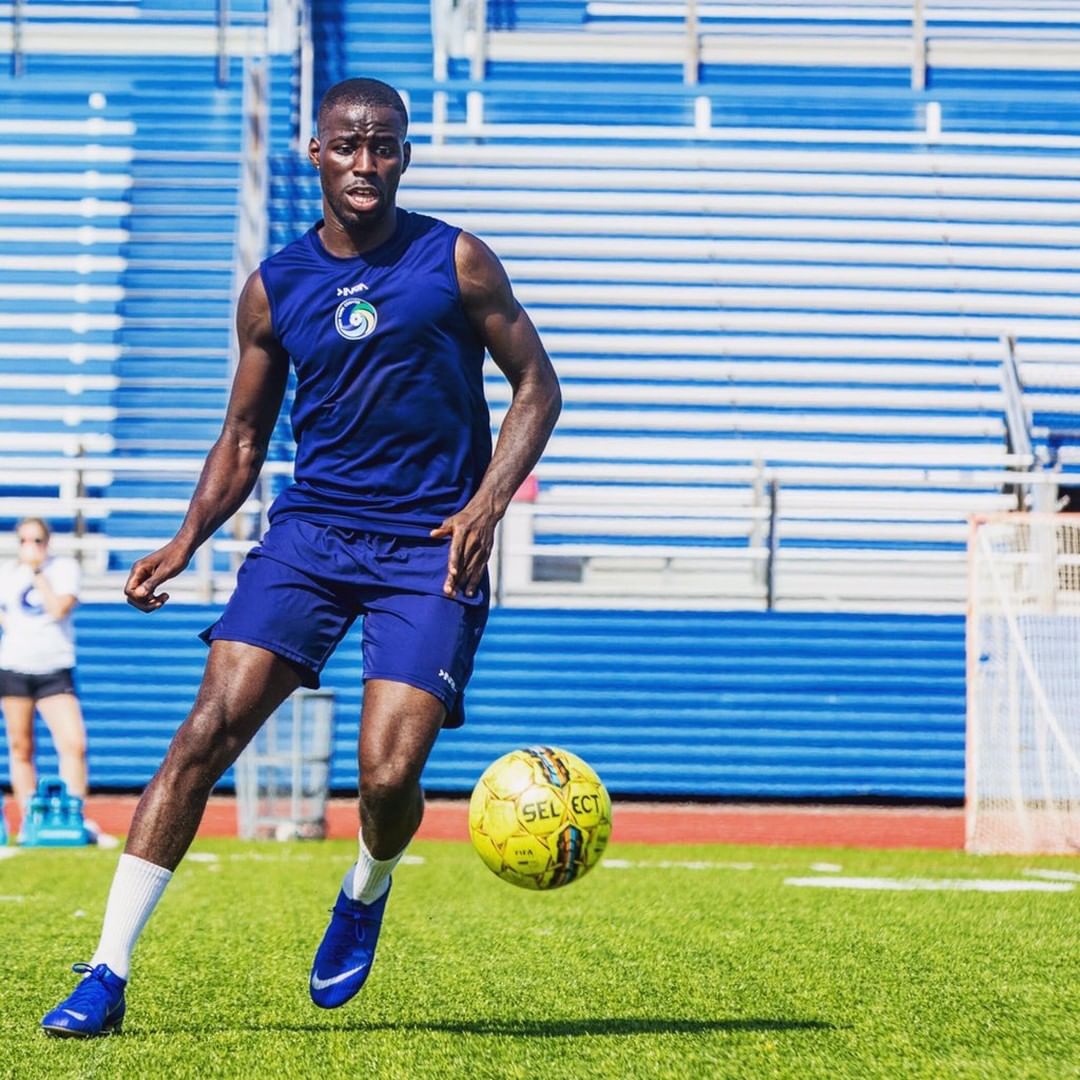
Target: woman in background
{"x":38,"y":593}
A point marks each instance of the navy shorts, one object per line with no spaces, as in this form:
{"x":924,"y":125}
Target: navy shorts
{"x":300,"y":590}
{"x":36,"y":687}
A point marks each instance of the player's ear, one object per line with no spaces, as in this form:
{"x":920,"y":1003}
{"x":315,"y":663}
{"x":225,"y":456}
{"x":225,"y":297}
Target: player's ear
{"x":313,"y":151}
{"x":406,"y":155}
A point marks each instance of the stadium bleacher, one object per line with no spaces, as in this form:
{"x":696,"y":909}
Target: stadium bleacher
{"x":801,"y":308}
{"x":65,"y":176}
{"x":145,"y":249}
{"x":673,"y":703}
{"x":776,"y":299}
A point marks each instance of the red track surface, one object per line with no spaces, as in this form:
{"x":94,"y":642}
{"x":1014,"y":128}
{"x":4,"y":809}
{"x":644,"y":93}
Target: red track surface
{"x":648,"y":823}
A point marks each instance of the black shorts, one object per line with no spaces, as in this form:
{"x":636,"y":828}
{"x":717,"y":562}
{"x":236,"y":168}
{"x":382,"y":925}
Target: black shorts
{"x":36,"y":687}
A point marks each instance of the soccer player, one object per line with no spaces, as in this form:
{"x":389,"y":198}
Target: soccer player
{"x":385,"y":316}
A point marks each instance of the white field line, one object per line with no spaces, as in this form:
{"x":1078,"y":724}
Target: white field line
{"x":674,"y":864}
{"x":8,"y":853}
{"x":928,"y":885}
{"x":259,"y":856}
{"x":826,"y":867}
{"x":1052,"y":875}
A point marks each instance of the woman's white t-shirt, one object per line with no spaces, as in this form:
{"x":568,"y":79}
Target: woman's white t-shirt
{"x":34,"y":643}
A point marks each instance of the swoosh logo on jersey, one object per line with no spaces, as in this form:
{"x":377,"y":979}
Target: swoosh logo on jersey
{"x":78,"y":1016}
{"x":322,"y":984}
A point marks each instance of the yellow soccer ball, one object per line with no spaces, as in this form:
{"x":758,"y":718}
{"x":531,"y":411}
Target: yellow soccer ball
{"x":540,"y":817}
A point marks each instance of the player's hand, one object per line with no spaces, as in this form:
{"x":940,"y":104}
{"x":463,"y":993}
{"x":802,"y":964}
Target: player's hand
{"x":150,"y":572}
{"x":472,"y":534}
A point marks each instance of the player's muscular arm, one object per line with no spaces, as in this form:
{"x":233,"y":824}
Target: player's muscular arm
{"x":509,"y":335}
{"x":233,"y":464}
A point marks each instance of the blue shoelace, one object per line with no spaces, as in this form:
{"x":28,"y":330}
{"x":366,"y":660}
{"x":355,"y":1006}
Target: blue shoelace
{"x":84,"y":992}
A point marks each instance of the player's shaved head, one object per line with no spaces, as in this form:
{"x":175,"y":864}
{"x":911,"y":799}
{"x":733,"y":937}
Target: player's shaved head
{"x":372,"y":93}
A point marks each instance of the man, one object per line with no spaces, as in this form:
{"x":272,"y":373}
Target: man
{"x":385,"y":316}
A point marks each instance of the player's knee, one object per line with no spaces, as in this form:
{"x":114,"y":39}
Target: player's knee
{"x":72,"y":744}
{"x":20,"y":748}
{"x":389,"y":783}
{"x":202,"y":749}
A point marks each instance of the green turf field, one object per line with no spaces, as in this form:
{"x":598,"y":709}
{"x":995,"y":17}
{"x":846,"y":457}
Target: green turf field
{"x":640,"y":970}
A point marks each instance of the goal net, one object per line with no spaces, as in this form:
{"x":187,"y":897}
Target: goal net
{"x":1023,"y":731}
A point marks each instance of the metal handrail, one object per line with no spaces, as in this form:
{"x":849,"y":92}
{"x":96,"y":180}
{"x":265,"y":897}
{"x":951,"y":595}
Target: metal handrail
{"x":1017,"y":422}
{"x":18,"y":16}
{"x":460,"y":27}
{"x":918,"y":45}
{"x":306,"y":68}
{"x":517,"y":544}
{"x":692,"y":63}
{"x":252,"y":227}
{"x":222,"y":42}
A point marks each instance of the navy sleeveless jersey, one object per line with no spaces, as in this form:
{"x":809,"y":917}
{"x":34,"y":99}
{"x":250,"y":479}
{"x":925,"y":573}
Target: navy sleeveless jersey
{"x":391,"y":425}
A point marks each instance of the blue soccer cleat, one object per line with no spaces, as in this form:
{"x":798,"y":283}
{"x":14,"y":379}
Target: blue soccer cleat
{"x":347,"y":951}
{"x":95,"y":1008}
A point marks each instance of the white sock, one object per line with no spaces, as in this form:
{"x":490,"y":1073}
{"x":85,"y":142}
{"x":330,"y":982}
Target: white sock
{"x":136,"y":888}
{"x":368,"y":878}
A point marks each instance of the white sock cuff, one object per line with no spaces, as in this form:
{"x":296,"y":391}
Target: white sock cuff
{"x":370,"y":876}
{"x":141,"y":868}
{"x":136,"y":888}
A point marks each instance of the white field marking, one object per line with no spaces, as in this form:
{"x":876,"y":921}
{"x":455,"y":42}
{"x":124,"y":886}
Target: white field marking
{"x":1052,"y":875}
{"x":674,"y":864}
{"x":202,"y":856}
{"x":928,"y":885}
{"x":12,"y":899}
{"x":826,"y":867}
{"x":8,"y":853}
{"x":258,"y":856}
{"x":80,"y":914}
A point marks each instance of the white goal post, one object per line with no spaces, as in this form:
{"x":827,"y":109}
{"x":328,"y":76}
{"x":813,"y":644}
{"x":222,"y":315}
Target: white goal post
{"x":1023,"y":685}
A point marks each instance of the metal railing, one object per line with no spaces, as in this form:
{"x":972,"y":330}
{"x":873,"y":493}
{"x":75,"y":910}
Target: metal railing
{"x":18,"y":15}
{"x":252,"y":229}
{"x":460,"y":28}
{"x":726,"y":539}
{"x":222,"y":42}
{"x":305,"y":67}
{"x":1017,"y":420}
{"x":220,"y":31}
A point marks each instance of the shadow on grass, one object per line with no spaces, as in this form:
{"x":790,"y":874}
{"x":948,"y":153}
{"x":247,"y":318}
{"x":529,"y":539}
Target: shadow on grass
{"x":535,"y":1029}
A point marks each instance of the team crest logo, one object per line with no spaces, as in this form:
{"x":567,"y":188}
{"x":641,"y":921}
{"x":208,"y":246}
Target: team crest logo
{"x":30,"y":601}
{"x":355,"y":319}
